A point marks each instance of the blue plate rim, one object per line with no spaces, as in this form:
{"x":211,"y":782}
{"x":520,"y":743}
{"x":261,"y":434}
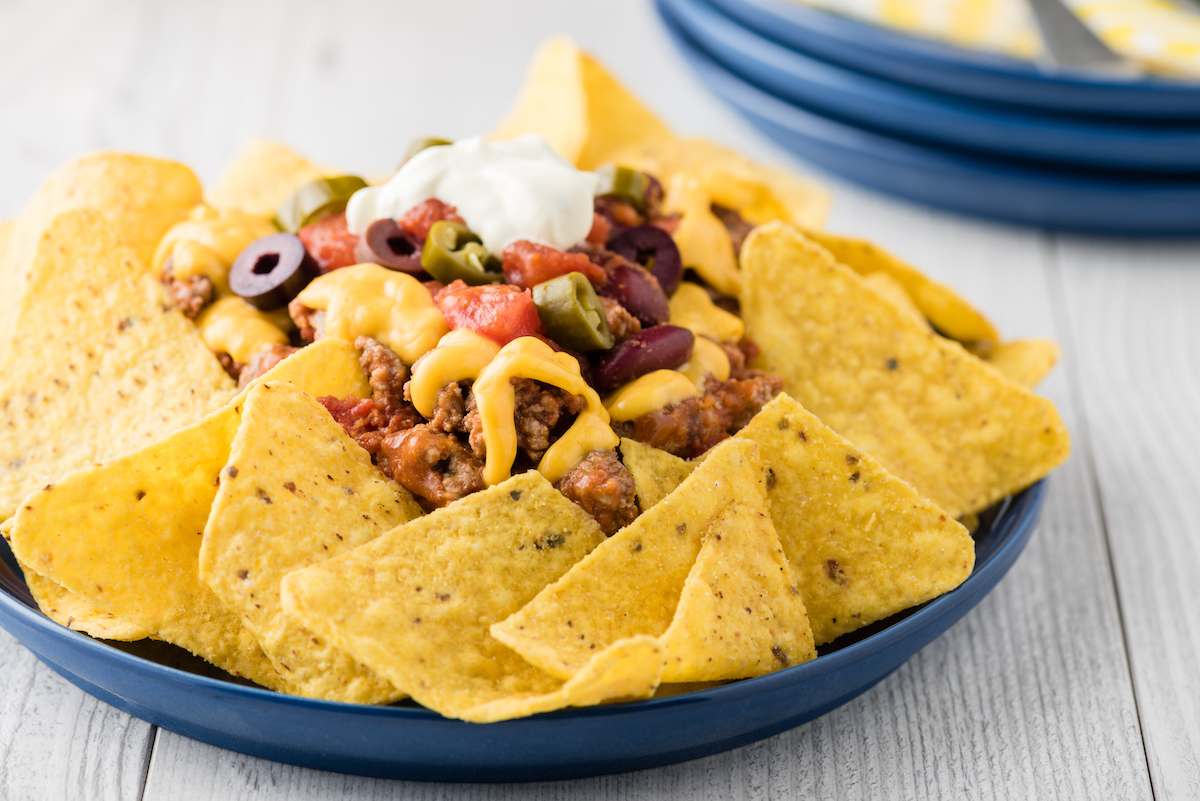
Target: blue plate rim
{"x":1021,"y":514}
{"x":893,"y":43}
{"x":751,"y":55}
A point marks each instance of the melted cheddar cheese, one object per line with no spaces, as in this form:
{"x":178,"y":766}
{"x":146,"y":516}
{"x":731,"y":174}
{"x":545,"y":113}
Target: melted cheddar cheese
{"x":208,"y":242}
{"x":702,"y":239}
{"x":370,"y":300}
{"x":707,"y":357}
{"x":495,"y":398}
{"x":233,"y":326}
{"x":693,"y":309}
{"x":461,"y":355}
{"x":650,"y":393}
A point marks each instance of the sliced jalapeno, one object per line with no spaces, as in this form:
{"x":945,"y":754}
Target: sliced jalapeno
{"x":572,"y":314}
{"x":623,"y":183}
{"x":452,"y":251}
{"x":425,"y":142}
{"x":317,"y":200}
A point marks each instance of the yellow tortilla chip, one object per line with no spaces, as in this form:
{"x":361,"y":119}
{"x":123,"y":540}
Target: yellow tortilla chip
{"x":930,"y":412}
{"x":125,"y":535}
{"x":67,"y":609}
{"x":296,"y":491}
{"x":1026,"y":361}
{"x":627,"y":670}
{"x":863,"y":544}
{"x":942,"y":306}
{"x":262,"y":176}
{"x":759,"y":193}
{"x":578,"y":107}
{"x":631,"y":584}
{"x":141,"y":196}
{"x":740,"y":613}
{"x":890,"y":288}
{"x":415,"y":604}
{"x":655,"y":473}
{"x":99,"y":361}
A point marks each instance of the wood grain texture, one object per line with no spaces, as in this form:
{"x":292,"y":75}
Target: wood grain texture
{"x":58,"y":742}
{"x":1134,"y":310}
{"x":1030,"y":696}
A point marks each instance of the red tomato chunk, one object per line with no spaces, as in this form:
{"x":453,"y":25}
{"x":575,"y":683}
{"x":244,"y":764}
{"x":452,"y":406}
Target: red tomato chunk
{"x":528,"y":264}
{"x":499,"y":312}
{"x":601,"y":229}
{"x":421,"y":217}
{"x":330,"y":243}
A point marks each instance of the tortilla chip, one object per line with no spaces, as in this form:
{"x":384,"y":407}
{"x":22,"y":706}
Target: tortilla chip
{"x":930,"y":412}
{"x":632,"y":583}
{"x":890,"y":288}
{"x":1026,"y":361}
{"x":740,"y":614}
{"x":627,"y":670}
{"x":415,"y":604}
{"x":655,"y":473}
{"x":158,"y":499}
{"x":863,"y":544}
{"x":296,"y":491}
{"x":262,"y":176}
{"x":140,"y":195}
{"x":759,"y":193}
{"x":949,"y":313}
{"x":67,"y":609}
{"x":99,"y":361}
{"x":578,"y":107}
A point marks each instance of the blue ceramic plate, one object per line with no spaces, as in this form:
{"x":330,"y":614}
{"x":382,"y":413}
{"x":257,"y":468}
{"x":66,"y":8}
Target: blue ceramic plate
{"x":969,"y":73}
{"x":987,"y":187}
{"x":168,"y":687}
{"x":912,"y":113}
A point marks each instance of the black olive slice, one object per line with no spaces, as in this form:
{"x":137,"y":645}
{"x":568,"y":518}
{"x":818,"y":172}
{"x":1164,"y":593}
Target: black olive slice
{"x":388,"y":244}
{"x":271,"y":271}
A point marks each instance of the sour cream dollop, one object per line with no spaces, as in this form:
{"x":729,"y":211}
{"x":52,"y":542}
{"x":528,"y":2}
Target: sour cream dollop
{"x":504,"y":191}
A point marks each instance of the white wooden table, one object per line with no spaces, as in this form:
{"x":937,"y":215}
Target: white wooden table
{"x":1077,"y":678}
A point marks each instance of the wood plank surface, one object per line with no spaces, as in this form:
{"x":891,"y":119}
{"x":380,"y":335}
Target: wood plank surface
{"x":57,"y":742}
{"x":1135,"y":329}
{"x":1030,"y":696}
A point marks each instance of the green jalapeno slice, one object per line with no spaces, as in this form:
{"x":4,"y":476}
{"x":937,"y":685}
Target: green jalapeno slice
{"x":452,"y":252}
{"x":623,"y":183}
{"x":317,"y":200}
{"x":572,"y":314}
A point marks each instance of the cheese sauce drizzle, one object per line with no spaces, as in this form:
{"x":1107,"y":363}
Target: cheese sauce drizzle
{"x":495,"y":399}
{"x":370,"y":300}
{"x":208,"y":242}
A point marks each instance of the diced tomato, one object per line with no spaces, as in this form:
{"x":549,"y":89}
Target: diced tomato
{"x":421,"y":217}
{"x":528,"y":264}
{"x":330,"y":243}
{"x":499,"y":312}
{"x":601,"y":228}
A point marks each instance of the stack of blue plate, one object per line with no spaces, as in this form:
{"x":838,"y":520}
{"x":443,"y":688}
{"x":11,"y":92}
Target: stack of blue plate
{"x":967,"y":131}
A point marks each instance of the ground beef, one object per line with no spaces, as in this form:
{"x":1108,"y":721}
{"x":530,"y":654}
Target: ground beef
{"x":602,"y":487}
{"x":738,"y":228}
{"x":190,"y":295}
{"x":690,"y":428}
{"x":385,"y":372}
{"x":263,"y":361}
{"x":740,"y":354}
{"x":621,"y":323}
{"x":540,"y":415}
{"x":450,"y":410}
{"x":233,"y":368}
{"x":369,"y":421}
{"x":310,"y":322}
{"x":538,"y":412}
{"x":433,"y":465}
